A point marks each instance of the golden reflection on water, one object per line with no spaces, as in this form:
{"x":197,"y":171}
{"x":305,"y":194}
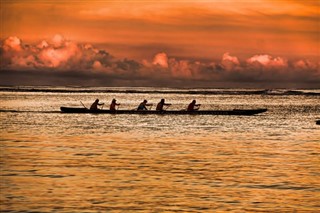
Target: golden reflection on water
{"x":53,"y":162}
{"x":125,"y":173}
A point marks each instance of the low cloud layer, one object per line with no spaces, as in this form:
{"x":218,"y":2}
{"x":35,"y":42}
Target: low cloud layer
{"x":67,"y":62}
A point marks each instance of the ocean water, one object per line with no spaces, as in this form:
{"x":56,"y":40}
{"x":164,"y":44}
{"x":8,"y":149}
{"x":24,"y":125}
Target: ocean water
{"x":55,"y":162}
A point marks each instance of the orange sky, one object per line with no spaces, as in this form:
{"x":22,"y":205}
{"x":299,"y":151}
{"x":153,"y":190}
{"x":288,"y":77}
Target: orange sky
{"x":183,"y":29}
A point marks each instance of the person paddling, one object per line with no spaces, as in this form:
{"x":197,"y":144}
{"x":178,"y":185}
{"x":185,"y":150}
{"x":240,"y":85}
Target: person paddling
{"x":113,"y":105}
{"x":192,"y":106}
{"x":161,"y":104}
{"x":95,"y":105}
{"x":143,"y":105}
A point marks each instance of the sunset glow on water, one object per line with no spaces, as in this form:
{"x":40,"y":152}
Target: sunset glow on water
{"x":52,"y":161}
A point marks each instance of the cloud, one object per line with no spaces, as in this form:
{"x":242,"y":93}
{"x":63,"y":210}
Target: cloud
{"x":228,"y":57}
{"x":58,"y":41}
{"x":229,"y":62}
{"x":181,"y":68}
{"x":12,"y":43}
{"x":97,"y":65}
{"x":162,"y":65}
{"x":81,"y":62}
{"x":194,"y":28}
{"x":305,"y":65}
{"x":161,"y":59}
{"x":58,"y":53}
{"x":267,"y":61}
{"x":42,"y":44}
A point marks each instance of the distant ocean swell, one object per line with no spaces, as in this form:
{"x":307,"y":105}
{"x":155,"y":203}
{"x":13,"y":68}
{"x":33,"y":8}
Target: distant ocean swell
{"x":161,"y":91}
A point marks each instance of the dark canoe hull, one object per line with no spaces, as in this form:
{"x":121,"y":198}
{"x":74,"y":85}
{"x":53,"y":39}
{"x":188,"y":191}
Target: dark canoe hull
{"x":171,"y":112}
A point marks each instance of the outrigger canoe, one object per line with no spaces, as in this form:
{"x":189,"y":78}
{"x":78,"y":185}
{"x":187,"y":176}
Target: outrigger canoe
{"x":169,"y":112}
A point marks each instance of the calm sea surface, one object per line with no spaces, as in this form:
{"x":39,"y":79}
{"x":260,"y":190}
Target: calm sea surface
{"x":55,"y":162}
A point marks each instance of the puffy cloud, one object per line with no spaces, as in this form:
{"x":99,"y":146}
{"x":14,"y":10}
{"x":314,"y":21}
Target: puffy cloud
{"x":54,"y":57}
{"x":258,"y":68}
{"x":26,"y":61}
{"x":12,"y":43}
{"x":267,"y":60}
{"x":162,"y":65}
{"x":229,"y":62}
{"x":180,"y":68}
{"x":228,"y":57}
{"x":161,"y":59}
{"x":13,"y":52}
{"x":60,"y":54}
{"x":58,"y":40}
{"x":97,"y":65}
{"x":305,"y":65}
{"x":42,"y":44}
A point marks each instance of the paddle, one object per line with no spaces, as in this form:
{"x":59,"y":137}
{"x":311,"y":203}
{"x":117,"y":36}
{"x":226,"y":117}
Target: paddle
{"x":167,"y":106}
{"x":83,"y":105}
{"x":198,"y":105}
{"x":134,"y":109}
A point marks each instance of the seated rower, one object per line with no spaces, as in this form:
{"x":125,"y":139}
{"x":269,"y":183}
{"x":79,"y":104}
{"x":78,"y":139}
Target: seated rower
{"x":192,"y":106}
{"x":95,"y":105}
{"x":161,"y":104}
{"x":113,"y":105}
{"x":143,"y":105}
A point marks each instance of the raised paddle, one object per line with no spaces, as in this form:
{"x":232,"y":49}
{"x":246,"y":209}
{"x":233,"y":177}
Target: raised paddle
{"x":83,"y":105}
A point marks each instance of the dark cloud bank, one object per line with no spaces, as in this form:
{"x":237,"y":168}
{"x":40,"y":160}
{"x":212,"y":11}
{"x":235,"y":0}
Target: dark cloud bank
{"x":62,"y":62}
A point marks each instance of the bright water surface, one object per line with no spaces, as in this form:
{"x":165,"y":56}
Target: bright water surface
{"x":55,"y":162}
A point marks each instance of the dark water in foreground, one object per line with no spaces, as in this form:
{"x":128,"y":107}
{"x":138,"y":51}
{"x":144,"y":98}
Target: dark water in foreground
{"x":54,"y":162}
